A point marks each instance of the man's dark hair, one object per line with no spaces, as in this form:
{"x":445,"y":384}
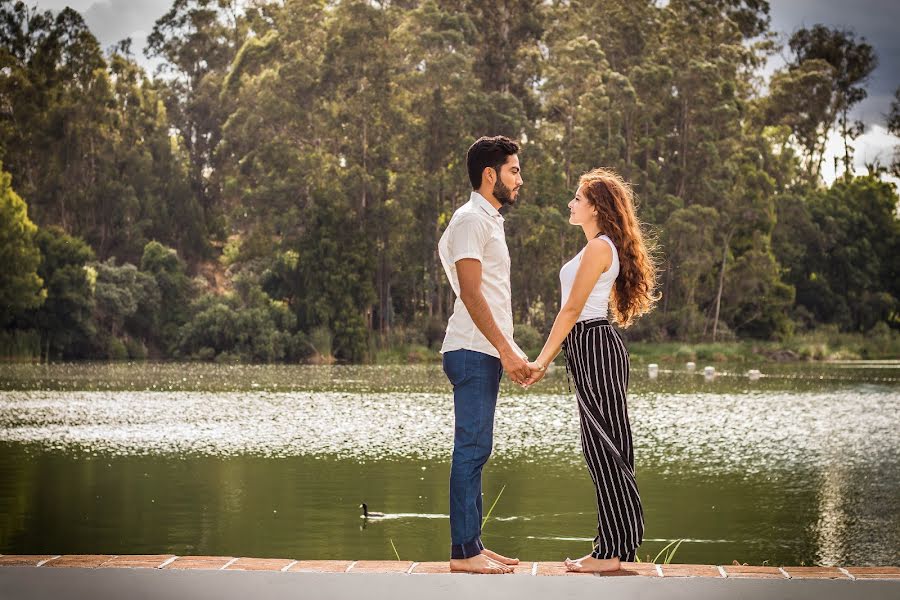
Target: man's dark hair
{"x":488,"y":152}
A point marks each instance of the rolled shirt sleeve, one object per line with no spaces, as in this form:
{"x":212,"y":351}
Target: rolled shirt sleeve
{"x":467,"y":238}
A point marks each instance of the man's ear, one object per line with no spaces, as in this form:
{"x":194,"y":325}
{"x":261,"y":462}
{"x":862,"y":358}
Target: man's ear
{"x":485,"y":175}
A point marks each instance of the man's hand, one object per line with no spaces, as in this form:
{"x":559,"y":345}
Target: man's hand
{"x":536,"y":373}
{"x":515,"y":367}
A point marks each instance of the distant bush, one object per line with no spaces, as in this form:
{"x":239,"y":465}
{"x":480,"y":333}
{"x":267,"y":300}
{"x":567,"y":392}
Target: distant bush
{"x":135,"y":348}
{"x":434,"y":329}
{"x":685,"y":354}
{"x":529,"y":340}
{"x":115,"y":349}
{"x":321,"y":340}
{"x":245,"y":325}
{"x":20,"y":344}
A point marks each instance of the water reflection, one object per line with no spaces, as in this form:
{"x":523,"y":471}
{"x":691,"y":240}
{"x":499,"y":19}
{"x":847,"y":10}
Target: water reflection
{"x":833,"y":523}
{"x":750,"y":432}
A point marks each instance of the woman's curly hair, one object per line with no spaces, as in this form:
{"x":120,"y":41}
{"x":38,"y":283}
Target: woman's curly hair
{"x":635,"y":292}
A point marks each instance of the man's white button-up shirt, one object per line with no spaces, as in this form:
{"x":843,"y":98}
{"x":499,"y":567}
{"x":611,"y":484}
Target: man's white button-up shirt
{"x":476,"y":231}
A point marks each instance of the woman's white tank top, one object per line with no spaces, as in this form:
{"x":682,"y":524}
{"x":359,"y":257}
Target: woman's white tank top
{"x":597,"y":305}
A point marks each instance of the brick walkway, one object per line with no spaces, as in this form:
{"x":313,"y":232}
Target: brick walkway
{"x":228,"y":563}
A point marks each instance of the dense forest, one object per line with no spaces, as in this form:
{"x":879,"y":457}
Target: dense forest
{"x":276,"y":190}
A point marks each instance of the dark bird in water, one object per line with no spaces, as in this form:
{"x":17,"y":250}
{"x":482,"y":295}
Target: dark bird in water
{"x":369,"y":515}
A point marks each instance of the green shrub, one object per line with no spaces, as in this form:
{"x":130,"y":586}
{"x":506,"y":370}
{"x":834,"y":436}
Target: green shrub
{"x":115,"y":349}
{"x":20,"y":344}
{"x":529,"y":340}
{"x":685,"y":354}
{"x":434,"y":330}
{"x":321,"y":339}
{"x":135,"y":348}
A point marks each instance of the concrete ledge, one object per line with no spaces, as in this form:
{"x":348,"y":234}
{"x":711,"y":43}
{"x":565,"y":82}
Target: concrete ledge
{"x":321,"y":566}
{"x":29,"y":583}
{"x":405,"y":567}
{"x":739,"y":571}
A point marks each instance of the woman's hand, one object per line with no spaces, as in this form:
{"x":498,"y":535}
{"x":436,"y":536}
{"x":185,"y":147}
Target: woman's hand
{"x":537,"y":373}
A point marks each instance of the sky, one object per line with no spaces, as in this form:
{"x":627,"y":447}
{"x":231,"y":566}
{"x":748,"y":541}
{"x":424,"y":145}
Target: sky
{"x":875,"y":20}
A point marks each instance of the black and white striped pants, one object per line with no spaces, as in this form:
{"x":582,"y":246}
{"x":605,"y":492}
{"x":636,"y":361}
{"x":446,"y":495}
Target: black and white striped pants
{"x":598,"y":362}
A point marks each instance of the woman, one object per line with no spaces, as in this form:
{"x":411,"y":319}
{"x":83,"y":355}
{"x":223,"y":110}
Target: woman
{"x":614,"y":270}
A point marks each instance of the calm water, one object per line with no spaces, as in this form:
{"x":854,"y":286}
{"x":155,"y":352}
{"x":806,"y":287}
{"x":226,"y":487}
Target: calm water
{"x":802,"y":466}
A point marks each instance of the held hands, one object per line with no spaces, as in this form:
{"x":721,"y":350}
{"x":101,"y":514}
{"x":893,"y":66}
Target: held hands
{"x":515,"y":368}
{"x":537,"y":373}
{"x":521,"y":372}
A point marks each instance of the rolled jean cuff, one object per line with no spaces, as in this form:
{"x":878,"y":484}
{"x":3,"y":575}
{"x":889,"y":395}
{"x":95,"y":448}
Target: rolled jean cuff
{"x":467,"y":550}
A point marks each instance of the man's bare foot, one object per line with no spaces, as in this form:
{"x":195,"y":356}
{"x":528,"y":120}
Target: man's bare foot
{"x":499,"y":557}
{"x":589,"y":564}
{"x":478,"y":564}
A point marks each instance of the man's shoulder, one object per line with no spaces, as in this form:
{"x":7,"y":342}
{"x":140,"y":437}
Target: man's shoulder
{"x":469,"y":215}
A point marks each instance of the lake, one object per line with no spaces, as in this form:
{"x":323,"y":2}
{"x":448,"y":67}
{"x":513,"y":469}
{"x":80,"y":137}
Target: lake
{"x":799,"y":467}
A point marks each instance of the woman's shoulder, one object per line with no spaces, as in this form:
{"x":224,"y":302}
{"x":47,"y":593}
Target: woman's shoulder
{"x":598,"y":250}
{"x":600,"y":245}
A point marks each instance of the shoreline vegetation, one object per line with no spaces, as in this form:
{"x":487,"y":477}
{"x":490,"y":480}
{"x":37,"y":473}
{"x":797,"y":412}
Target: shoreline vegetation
{"x":823,"y":345}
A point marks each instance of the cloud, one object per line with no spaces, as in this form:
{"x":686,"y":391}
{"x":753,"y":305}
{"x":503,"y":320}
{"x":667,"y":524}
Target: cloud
{"x":114,"y":20}
{"x":875,"y":20}
{"x":875,"y":145}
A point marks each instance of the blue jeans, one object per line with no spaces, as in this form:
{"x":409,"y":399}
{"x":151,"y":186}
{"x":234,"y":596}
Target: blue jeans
{"x":476,"y":382}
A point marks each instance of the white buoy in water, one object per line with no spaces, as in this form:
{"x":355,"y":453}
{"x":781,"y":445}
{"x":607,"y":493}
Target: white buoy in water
{"x":709,"y":373}
{"x":691,"y":366}
{"x":653,"y":370}
{"x":754,"y":374}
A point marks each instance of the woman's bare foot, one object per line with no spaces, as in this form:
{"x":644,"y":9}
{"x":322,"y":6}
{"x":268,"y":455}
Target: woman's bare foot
{"x":589,"y":564}
{"x":499,"y":557}
{"x":478,"y":564}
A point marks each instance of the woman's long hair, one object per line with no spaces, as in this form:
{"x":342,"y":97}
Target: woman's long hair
{"x":635,"y":292}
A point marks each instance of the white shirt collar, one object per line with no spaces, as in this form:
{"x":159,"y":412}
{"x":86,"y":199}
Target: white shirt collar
{"x":486,"y":206}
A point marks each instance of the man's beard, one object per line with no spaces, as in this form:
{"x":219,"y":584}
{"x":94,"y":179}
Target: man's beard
{"x":503,"y":194}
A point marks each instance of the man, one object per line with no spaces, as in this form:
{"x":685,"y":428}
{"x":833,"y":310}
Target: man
{"x":478,"y":346}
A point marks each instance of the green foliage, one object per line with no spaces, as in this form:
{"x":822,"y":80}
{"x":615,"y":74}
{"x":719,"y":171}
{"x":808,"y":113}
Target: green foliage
{"x":244,"y":325}
{"x":851,"y":62}
{"x":64,"y":320}
{"x":162,"y":314}
{"x":20,"y":286}
{"x":529,"y":339}
{"x":89,"y":143}
{"x":842,"y":244}
{"x":119,"y":293}
{"x":20,"y":345}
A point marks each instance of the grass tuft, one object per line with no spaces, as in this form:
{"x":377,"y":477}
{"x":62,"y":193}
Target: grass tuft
{"x":487,"y":516}
{"x":397,"y":554}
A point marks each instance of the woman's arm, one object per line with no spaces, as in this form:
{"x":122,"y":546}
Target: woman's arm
{"x":597,"y":258}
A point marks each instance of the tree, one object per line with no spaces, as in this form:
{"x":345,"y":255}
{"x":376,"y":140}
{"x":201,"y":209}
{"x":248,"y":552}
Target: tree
{"x":198,"y":40}
{"x":893,"y":125}
{"x":21,"y":287}
{"x":91,"y":137}
{"x":434,"y":75}
{"x":119,"y":292}
{"x":162,"y":313}
{"x":64,"y":320}
{"x":242,"y":325}
{"x":852,"y":62}
{"x":841,"y":246}
{"x":801,"y":99}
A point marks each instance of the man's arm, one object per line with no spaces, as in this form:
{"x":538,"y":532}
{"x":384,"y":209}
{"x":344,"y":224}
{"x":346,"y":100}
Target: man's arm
{"x":469,"y":272}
